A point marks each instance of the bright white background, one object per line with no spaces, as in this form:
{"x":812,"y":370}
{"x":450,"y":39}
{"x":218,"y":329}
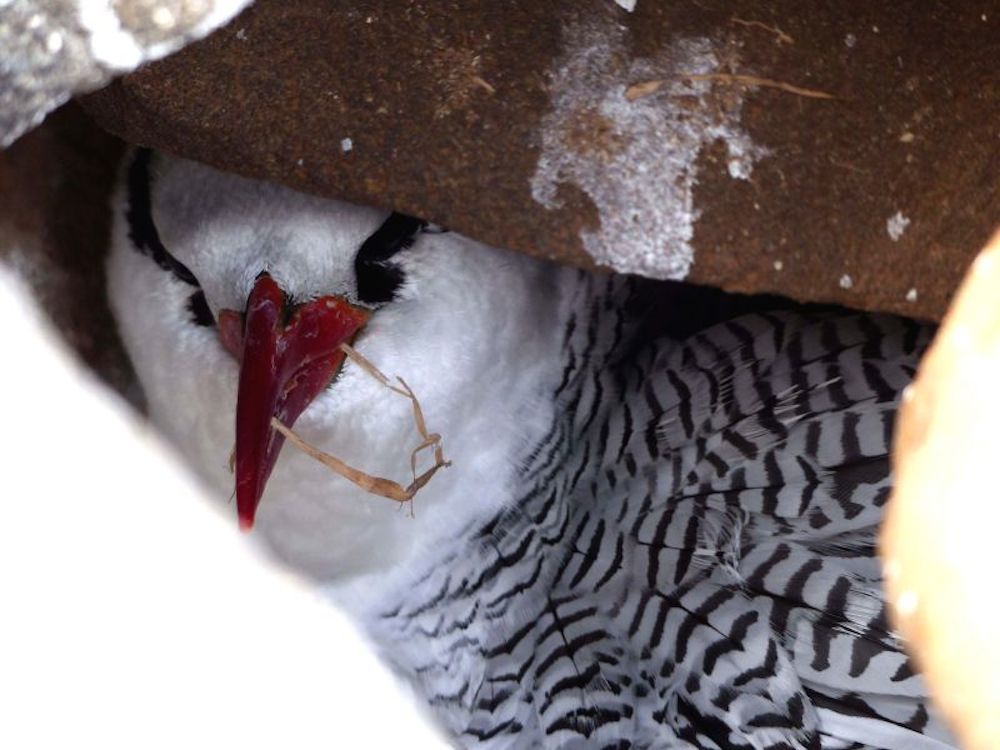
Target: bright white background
{"x":131,"y":614}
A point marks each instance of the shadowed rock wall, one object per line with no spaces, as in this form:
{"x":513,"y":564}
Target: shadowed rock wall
{"x":54,"y":228}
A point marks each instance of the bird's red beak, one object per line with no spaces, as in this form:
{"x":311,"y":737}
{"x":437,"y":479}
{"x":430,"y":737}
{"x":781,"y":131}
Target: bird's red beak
{"x":287,"y":355}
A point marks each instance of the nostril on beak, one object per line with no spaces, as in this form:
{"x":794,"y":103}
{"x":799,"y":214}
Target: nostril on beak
{"x":231,"y":332}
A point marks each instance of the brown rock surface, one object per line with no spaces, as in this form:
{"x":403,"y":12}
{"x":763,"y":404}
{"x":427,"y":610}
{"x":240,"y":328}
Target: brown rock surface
{"x":446,"y":105}
{"x":54,"y":224}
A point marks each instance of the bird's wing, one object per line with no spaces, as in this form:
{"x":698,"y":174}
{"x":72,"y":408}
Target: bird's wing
{"x":760,"y":455}
{"x":688,"y":559}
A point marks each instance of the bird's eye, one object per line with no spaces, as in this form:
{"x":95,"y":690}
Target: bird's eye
{"x":146,"y":240}
{"x":378,"y":279}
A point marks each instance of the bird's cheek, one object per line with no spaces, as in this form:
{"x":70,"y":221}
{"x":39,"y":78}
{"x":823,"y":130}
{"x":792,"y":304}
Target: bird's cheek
{"x":231,"y":332}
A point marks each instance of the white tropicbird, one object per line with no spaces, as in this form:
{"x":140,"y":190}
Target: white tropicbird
{"x":641,"y":541}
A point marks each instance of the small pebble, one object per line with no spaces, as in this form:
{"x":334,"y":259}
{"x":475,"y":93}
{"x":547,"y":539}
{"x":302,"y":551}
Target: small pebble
{"x":346,"y":144}
{"x":850,"y":40}
{"x":163,"y":17}
{"x":895,"y":225}
{"x":911,"y":296}
{"x":846,"y":282}
{"x":54,"y":42}
{"x":778,"y":265}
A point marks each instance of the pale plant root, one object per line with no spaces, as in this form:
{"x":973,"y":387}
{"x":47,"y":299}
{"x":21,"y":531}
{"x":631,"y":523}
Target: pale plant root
{"x":780,"y":36}
{"x":748,"y":80}
{"x":647,"y":88}
{"x":372,"y":484}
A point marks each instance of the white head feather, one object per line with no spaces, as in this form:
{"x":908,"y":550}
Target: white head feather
{"x":466,"y":330}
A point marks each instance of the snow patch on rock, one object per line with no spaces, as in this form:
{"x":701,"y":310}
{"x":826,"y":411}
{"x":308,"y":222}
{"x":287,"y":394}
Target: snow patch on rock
{"x":634,"y":149}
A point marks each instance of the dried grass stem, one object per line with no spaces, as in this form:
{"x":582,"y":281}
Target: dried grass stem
{"x":647,"y":88}
{"x":379,"y":485}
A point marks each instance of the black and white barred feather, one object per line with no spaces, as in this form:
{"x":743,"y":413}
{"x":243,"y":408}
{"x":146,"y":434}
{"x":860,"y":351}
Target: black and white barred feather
{"x":688,"y":558}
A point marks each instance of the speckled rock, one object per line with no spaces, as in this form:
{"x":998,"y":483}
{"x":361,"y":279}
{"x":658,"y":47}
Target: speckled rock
{"x":818,"y":151}
{"x":53,"y":48}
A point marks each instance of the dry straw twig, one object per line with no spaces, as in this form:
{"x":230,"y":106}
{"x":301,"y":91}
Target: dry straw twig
{"x":647,"y":88}
{"x":781,"y":36}
{"x":745,"y":80}
{"x":379,"y":485}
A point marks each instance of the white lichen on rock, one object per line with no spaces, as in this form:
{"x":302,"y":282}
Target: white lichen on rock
{"x":895,"y":225}
{"x":636,"y":156}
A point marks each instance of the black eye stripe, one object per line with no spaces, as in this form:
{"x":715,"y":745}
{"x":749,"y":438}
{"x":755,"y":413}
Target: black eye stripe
{"x":378,"y":279}
{"x":398,"y":232}
{"x":139,"y":214}
{"x":201,"y":314}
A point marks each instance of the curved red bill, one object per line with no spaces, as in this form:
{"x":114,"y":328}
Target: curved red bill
{"x":288,"y":356}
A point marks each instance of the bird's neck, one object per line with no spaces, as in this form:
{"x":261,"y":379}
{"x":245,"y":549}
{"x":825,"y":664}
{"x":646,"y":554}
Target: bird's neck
{"x":506,"y":440}
{"x":456,"y":610}
{"x":490,"y":407}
